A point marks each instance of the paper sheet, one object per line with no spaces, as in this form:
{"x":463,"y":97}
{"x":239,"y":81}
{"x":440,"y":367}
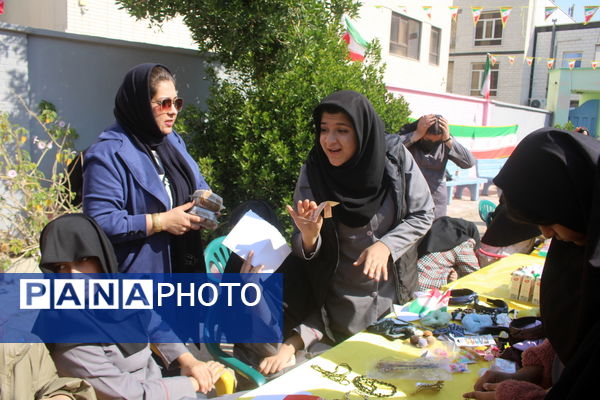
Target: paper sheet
{"x":254,"y":233}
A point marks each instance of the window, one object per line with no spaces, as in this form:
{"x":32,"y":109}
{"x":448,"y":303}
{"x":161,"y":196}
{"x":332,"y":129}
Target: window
{"x":574,"y":55}
{"x":477,"y":77}
{"x":450,"y":78}
{"x":488,"y":31}
{"x":405,"y":36}
{"x":434,"y":45}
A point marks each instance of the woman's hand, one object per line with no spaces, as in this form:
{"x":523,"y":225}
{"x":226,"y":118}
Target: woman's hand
{"x":488,"y":394}
{"x":205,"y":373}
{"x":308,"y":228}
{"x":247,"y":265}
{"x":491,"y":376}
{"x":274,"y":364}
{"x":375,"y":258}
{"x":177,"y":221}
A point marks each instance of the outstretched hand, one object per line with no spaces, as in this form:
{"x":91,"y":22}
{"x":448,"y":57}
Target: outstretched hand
{"x":307,"y":224}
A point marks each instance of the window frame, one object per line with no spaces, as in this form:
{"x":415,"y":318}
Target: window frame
{"x":491,"y":21}
{"x":495,"y":74}
{"x":565,"y":60}
{"x":398,"y":48}
{"x":435,"y":54}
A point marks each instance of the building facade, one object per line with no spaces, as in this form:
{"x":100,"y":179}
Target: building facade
{"x":564,"y":43}
{"x":509,"y":43}
{"x":101,"y":18}
{"x":414,"y":41}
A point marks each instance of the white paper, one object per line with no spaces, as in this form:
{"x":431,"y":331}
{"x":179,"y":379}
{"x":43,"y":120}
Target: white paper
{"x":254,"y":233}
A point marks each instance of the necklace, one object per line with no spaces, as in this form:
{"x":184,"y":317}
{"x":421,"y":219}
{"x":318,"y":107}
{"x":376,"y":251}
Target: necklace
{"x":339,"y":377}
{"x":373,"y":387}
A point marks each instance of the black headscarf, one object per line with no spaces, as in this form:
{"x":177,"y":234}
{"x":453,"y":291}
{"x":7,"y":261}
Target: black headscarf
{"x":505,"y":231}
{"x":72,"y":237}
{"x":133,"y":112}
{"x":552,"y":177}
{"x":447,"y":233}
{"x":358,"y":184}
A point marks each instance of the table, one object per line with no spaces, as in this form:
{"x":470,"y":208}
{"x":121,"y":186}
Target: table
{"x":363,"y":349}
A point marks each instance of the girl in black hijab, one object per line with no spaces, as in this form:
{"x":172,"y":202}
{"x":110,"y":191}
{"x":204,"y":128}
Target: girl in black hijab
{"x":138,"y":178}
{"x":74,"y":243}
{"x":363,"y":259}
{"x":552,"y":179}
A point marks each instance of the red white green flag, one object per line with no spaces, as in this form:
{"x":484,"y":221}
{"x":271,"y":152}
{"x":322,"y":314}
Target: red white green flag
{"x":504,"y":14}
{"x":548,"y":11}
{"x":572,"y":64}
{"x":588,"y":13}
{"x":357,"y":46}
{"x":529,"y":60}
{"x":595,"y":64}
{"x":476,"y":14}
{"x":486,"y":80}
{"x":453,"y":12}
{"x":486,"y":142}
{"x":550,"y":63}
{"x":493,"y":59}
{"x":511,"y":59}
{"x":427,"y":10}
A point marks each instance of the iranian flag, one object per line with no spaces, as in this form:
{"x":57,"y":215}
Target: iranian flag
{"x":453,"y":12}
{"x":356,"y":44}
{"x":548,"y":11}
{"x":427,"y":10}
{"x":486,"y":142}
{"x":595,"y":64}
{"x":588,"y":13}
{"x":505,"y":13}
{"x":476,"y":14}
{"x":486,"y":81}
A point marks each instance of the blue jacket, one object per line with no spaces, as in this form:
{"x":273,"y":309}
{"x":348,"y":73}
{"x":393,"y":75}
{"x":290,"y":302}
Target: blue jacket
{"x":121,"y":186}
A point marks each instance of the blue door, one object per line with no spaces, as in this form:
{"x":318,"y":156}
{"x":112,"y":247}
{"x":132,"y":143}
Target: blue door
{"x":586,"y":115}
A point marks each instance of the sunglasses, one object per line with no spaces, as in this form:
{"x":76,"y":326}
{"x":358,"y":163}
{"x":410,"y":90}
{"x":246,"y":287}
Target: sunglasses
{"x":166,"y":104}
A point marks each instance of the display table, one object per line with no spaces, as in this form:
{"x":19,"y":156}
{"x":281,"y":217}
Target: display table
{"x":363,"y":349}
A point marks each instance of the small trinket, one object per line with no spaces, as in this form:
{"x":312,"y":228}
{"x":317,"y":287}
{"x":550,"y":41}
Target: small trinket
{"x":433,"y":387}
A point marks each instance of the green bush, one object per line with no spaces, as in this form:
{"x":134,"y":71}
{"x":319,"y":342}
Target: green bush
{"x":30,"y":197}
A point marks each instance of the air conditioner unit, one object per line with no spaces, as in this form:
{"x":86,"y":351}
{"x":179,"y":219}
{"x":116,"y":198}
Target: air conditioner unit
{"x":536,"y":103}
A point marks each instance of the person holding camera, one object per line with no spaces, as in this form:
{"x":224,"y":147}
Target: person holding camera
{"x":429,"y":141}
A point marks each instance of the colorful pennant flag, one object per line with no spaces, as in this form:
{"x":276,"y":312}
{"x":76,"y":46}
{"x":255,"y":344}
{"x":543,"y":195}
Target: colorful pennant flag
{"x":511,"y":59}
{"x":476,"y":14}
{"x":529,"y":60}
{"x":588,"y":13}
{"x":504,"y":14}
{"x":550,"y":63}
{"x":357,"y":46}
{"x":486,"y":81}
{"x":1,"y":7}
{"x":548,"y":11}
{"x":571,"y":64}
{"x":427,"y":10}
{"x":453,"y":12}
{"x":595,"y":64}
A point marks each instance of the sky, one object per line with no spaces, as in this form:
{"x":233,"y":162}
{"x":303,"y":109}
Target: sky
{"x":579,"y":4}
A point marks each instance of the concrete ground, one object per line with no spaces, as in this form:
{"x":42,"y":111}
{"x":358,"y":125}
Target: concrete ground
{"x":466,"y":209}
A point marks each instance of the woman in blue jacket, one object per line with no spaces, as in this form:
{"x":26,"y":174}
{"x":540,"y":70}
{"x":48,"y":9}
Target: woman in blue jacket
{"x":138,"y":178}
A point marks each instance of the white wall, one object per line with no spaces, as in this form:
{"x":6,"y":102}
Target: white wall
{"x":101,"y":18}
{"x":472,"y":111}
{"x":375,"y":23}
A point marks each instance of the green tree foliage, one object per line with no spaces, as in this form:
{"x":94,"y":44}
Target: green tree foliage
{"x":278,"y":61}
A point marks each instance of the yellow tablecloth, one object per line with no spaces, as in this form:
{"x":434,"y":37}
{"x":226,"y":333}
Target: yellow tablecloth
{"x":363,"y":349}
